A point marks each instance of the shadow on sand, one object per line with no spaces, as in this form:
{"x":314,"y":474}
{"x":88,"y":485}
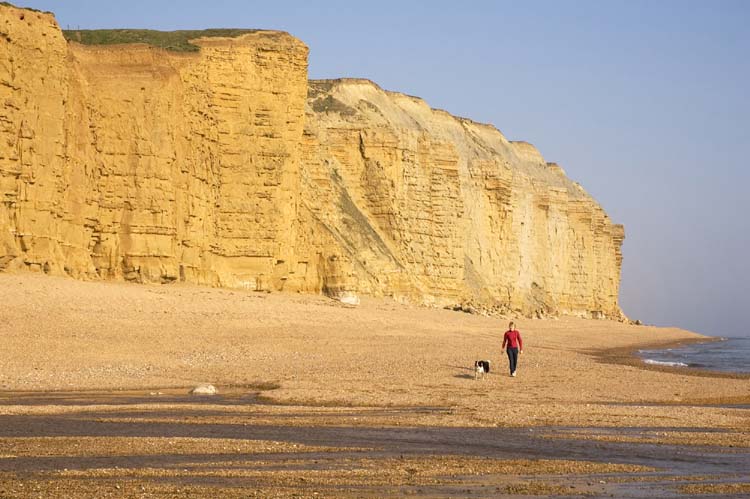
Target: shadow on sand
{"x":383,"y":441}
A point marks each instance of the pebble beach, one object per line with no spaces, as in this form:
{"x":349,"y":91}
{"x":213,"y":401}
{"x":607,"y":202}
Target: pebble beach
{"x":110,"y":366}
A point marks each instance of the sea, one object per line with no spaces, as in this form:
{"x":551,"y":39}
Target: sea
{"x":726,"y":355}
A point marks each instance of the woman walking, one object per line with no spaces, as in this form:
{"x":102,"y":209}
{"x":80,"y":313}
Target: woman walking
{"x":512,"y":338}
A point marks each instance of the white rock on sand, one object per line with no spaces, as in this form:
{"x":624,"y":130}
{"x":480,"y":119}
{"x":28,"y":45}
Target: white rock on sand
{"x":348,"y":298}
{"x":204,"y":389}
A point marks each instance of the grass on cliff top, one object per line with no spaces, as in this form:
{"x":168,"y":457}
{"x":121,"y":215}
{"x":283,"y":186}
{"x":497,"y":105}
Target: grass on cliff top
{"x":329,"y":103}
{"x":8,"y":4}
{"x":176,"y":41}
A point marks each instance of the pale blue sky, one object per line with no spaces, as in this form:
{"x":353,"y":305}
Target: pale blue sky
{"x":645,"y":103}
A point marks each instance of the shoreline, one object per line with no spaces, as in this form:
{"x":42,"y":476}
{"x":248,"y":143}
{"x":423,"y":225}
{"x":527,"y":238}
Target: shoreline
{"x":629,"y":356}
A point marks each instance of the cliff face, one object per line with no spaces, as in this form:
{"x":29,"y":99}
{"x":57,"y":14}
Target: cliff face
{"x":138,"y":163}
{"x":225,"y":167}
{"x":440,"y":208}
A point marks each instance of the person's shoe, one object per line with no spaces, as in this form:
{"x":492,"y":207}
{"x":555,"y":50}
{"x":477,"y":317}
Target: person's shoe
{"x":513,"y":374}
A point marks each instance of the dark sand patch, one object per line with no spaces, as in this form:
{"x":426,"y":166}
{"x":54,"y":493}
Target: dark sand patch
{"x":169,"y":448}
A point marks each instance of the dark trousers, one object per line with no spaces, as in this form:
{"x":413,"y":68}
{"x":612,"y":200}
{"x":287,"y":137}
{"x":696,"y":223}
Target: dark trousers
{"x":513,"y":358}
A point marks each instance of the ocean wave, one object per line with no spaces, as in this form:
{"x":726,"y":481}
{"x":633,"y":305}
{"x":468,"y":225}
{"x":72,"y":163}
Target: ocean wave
{"x":664,"y":363}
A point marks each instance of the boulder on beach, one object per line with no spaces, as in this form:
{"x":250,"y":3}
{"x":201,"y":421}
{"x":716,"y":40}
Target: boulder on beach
{"x":348,"y":298}
{"x":204,"y":389}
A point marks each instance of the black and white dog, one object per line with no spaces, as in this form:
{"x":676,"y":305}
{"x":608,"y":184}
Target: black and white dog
{"x":481,"y":367}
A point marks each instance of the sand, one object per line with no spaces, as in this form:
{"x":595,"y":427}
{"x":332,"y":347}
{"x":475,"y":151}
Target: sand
{"x":82,"y":357}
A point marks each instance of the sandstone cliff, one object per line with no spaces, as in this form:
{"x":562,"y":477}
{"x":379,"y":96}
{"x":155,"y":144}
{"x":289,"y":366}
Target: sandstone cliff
{"x":139,"y":163}
{"x":225,"y":167}
{"x":440,"y":208}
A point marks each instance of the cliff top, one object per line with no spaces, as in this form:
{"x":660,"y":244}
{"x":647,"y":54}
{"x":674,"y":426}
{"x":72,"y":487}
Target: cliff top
{"x":325,"y":85}
{"x":344,"y":97}
{"x":177,"y":41}
{"x":8,"y":4}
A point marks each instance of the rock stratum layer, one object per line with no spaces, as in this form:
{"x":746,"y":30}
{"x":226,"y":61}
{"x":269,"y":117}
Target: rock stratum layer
{"x":227,"y":167}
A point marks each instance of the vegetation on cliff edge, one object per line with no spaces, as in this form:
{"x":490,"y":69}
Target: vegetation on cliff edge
{"x":177,"y":41}
{"x":329,"y":103}
{"x":8,"y":4}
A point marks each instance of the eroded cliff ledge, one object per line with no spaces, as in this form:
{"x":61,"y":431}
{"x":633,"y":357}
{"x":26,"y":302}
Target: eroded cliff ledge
{"x":226,"y":167}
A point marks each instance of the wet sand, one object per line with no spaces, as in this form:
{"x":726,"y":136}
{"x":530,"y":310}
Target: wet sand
{"x":318,"y":399}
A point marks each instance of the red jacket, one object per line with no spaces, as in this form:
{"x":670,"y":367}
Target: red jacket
{"x":513,"y":339}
